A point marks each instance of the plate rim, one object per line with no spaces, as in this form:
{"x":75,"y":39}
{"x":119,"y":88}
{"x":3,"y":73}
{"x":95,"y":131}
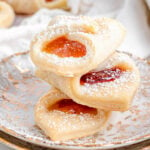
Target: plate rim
{"x":134,"y":140}
{"x":88,"y":147}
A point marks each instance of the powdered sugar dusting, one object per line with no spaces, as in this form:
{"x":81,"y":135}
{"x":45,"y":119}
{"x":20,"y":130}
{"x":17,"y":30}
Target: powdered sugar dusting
{"x":67,"y":60}
{"x":113,"y":60}
{"x":57,"y":32}
{"x":78,"y":22}
{"x":131,"y":126}
{"x":77,"y":28}
{"x":116,"y":85}
{"x":66,"y":120}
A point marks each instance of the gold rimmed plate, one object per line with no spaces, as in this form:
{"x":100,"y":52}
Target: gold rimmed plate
{"x":20,"y":90}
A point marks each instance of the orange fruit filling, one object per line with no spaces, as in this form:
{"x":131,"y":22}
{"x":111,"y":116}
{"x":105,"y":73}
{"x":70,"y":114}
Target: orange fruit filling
{"x":69,"y":106}
{"x":64,"y":47}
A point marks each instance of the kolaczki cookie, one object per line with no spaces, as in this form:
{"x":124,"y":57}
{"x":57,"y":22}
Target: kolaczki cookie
{"x":78,"y":56}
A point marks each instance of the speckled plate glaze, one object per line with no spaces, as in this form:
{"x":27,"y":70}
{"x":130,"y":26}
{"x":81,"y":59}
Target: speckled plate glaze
{"x":20,"y":90}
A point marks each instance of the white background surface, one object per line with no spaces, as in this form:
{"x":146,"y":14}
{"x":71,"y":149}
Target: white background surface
{"x":132,"y":15}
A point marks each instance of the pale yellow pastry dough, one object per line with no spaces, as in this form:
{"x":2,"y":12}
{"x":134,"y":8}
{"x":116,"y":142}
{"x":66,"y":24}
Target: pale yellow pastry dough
{"x":60,"y":125}
{"x":114,"y":95}
{"x":7,"y":15}
{"x":52,"y":4}
{"x":23,"y":6}
{"x":99,"y":37}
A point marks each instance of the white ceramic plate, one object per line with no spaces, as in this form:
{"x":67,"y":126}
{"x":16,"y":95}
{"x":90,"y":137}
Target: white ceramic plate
{"x":20,"y":90}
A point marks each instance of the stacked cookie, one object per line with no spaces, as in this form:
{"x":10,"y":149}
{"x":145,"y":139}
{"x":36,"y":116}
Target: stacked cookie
{"x":77,"y":55}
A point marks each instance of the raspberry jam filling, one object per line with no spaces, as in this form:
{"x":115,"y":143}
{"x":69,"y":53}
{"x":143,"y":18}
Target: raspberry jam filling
{"x":70,"y":107}
{"x":101,"y":76}
{"x":63,"y":47}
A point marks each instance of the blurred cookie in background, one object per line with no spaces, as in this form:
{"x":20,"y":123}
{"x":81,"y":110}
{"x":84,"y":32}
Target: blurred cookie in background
{"x":23,"y":6}
{"x":31,"y":6}
{"x":50,"y":4}
{"x":147,"y":5}
{"x":7,"y":15}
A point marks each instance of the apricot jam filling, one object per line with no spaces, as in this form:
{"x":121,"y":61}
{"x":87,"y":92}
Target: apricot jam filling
{"x":101,"y":76}
{"x":71,"y":107}
{"x":64,"y":47}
